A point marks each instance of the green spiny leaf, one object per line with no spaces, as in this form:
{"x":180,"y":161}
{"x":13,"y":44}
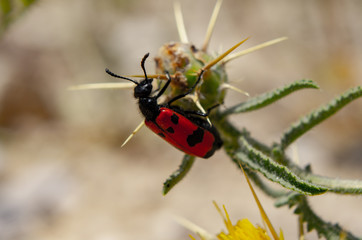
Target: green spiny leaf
{"x":272,"y":192}
{"x":269,"y":97}
{"x":303,"y":125}
{"x":179,"y":174}
{"x":275,"y":172}
{"x":341,"y":186}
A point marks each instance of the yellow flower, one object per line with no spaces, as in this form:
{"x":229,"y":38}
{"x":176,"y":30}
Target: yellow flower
{"x":242,"y":230}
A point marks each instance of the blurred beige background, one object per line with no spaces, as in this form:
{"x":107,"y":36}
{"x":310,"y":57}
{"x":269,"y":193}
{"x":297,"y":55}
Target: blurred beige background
{"x":63,"y":174}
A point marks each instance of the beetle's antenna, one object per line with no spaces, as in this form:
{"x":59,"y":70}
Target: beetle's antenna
{"x":117,"y":76}
{"x":143,"y":64}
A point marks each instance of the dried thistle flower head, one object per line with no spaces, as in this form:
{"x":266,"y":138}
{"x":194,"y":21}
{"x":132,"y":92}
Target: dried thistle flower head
{"x":184,"y":61}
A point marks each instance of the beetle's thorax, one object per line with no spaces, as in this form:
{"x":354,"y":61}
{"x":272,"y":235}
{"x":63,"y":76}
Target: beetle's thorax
{"x":149,"y":107}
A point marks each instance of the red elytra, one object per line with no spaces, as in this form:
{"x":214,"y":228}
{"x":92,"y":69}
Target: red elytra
{"x":183,"y":133}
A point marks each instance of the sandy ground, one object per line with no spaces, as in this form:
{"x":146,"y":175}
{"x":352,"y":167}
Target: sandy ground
{"x":63,"y":174}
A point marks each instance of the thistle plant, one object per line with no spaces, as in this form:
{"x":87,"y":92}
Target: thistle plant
{"x":261,"y":162}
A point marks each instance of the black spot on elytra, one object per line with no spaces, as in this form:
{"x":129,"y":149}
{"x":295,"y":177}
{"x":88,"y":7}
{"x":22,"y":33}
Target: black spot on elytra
{"x":174,"y":119}
{"x":161,"y":135}
{"x":170,"y":130}
{"x":196,"y":137}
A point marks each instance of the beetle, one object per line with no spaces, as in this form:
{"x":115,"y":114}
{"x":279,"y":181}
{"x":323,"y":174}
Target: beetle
{"x":189,"y":131}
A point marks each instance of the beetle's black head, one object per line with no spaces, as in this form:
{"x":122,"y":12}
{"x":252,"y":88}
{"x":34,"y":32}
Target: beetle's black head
{"x":143,"y":89}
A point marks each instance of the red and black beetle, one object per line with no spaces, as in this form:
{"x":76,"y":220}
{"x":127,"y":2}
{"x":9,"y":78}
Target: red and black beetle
{"x":188,"y":131}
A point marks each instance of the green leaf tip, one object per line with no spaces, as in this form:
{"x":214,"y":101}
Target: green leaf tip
{"x":179,"y":174}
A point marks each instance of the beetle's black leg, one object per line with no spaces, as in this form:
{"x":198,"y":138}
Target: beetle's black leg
{"x":198,"y":113}
{"x":189,"y":91}
{"x":163,"y":89}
